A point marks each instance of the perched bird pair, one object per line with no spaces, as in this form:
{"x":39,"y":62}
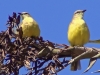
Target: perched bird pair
{"x":78,"y":32}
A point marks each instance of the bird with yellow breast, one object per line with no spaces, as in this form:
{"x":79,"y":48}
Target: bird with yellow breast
{"x":29,"y":25}
{"x":78,"y":34}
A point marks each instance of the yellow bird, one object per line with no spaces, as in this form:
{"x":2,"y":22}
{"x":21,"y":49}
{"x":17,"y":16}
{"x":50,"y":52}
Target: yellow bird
{"x":29,"y":25}
{"x":78,"y":34}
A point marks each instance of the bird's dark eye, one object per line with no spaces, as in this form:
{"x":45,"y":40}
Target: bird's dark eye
{"x":25,"y":13}
{"x":77,"y":12}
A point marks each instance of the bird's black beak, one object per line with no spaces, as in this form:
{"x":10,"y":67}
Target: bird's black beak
{"x":84,"y":10}
{"x":20,"y":13}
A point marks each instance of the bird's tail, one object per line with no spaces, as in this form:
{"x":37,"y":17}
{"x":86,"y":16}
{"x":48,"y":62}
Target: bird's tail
{"x":94,"y":41}
{"x":76,"y":65}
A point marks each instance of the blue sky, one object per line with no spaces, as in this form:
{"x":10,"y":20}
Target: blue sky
{"x":53,"y":17}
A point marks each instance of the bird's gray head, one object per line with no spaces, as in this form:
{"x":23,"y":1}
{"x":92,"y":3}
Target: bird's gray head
{"x":24,"y":14}
{"x":79,"y":13}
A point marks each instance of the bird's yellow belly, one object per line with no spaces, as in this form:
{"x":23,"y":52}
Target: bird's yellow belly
{"x":29,"y":31}
{"x":78,"y":35}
